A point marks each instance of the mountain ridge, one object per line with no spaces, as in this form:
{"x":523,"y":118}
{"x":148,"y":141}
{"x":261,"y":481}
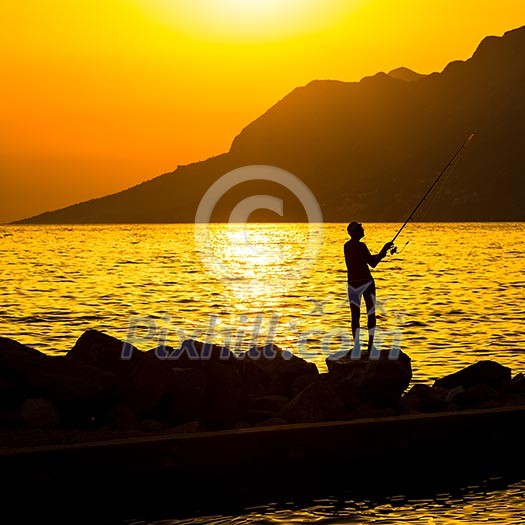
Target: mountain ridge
{"x":366,"y":149}
{"x":406,"y":74}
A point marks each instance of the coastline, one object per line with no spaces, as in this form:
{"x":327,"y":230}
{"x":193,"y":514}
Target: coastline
{"x":216,"y":470}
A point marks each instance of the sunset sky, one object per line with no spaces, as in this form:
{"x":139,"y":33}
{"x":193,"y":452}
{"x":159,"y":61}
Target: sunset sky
{"x":97,"y":95}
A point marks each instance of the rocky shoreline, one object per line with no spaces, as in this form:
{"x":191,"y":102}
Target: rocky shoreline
{"x":92,"y":394}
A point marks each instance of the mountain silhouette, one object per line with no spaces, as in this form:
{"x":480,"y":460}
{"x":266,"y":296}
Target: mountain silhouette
{"x":368,"y":150}
{"x":403,"y":73}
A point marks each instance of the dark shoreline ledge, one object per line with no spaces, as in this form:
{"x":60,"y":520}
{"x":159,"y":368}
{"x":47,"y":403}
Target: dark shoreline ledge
{"x":168,"y":437}
{"x":245,"y":466}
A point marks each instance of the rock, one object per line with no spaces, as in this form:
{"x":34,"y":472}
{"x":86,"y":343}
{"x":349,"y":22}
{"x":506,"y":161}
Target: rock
{"x":256,"y":380}
{"x":425,"y":398}
{"x":451,"y":395}
{"x":410,"y":404}
{"x":378,"y":381}
{"x":242,"y":424}
{"x":189,"y":427}
{"x":11,"y":394}
{"x":317,"y":402}
{"x":280,"y":367}
{"x":517,"y":385}
{"x":121,"y":417}
{"x":187,"y":395}
{"x":483,"y":372}
{"x":273,"y":422}
{"x":226,"y":395}
{"x":301,"y":382}
{"x":142,"y":383}
{"x":78,"y":391}
{"x":192,"y":354}
{"x":478,"y":396}
{"x":151,"y":425}
{"x":39,"y":413}
{"x":254,"y":416}
{"x":271,"y":403}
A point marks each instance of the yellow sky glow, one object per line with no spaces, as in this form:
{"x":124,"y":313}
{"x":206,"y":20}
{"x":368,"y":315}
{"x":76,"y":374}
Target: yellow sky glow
{"x":98,"y":95}
{"x":248,"y":20}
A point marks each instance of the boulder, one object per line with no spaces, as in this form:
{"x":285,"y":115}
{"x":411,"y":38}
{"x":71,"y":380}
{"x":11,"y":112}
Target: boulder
{"x":242,"y":424}
{"x":226,"y":395}
{"x":187,"y":396}
{"x":301,"y":382}
{"x":77,"y":390}
{"x":192,"y":354}
{"x":424,"y":398}
{"x":517,"y":385}
{"x":87,"y":382}
{"x":487,"y":373}
{"x":151,"y":425}
{"x":317,"y":402}
{"x":256,"y":380}
{"x":11,"y":393}
{"x":38,"y":413}
{"x":142,"y":383}
{"x":190,"y":427}
{"x":409,"y":405}
{"x":122,"y":418}
{"x":376,"y":381}
{"x":452,"y":394}
{"x":478,"y":396}
{"x":214,"y":386}
{"x":281,"y":368}
{"x":270,"y":403}
{"x":254,"y":416}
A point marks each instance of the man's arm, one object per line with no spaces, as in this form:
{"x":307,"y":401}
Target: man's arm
{"x":374,"y":260}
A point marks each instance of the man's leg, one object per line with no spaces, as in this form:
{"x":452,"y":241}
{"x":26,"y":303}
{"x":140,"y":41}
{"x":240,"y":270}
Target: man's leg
{"x":355,"y":293}
{"x":355,"y":352}
{"x":355,"y":310}
{"x":370,"y":301}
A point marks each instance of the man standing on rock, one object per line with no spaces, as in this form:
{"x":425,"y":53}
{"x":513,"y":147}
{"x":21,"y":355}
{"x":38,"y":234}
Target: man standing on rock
{"x":360,"y":281}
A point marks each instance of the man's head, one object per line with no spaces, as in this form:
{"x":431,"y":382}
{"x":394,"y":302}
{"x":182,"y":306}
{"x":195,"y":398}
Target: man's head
{"x":355,"y":230}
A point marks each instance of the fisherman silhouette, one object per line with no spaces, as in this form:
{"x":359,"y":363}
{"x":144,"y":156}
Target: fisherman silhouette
{"x":361,"y":284}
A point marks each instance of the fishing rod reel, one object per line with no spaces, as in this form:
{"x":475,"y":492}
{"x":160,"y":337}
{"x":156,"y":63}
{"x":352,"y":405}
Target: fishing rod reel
{"x":394,"y":249}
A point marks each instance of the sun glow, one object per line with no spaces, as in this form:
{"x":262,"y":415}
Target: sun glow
{"x":248,"y":19}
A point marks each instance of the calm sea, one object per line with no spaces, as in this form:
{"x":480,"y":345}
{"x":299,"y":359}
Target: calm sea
{"x":453,"y":296}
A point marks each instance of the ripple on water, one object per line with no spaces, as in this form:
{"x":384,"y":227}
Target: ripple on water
{"x":493,"y":502}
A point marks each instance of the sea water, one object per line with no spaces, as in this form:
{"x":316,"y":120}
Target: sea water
{"x":453,"y":296}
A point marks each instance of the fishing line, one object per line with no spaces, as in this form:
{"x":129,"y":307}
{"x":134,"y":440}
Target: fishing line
{"x":433,"y":185}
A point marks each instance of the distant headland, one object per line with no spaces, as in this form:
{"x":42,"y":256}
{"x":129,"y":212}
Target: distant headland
{"x":366,"y":149}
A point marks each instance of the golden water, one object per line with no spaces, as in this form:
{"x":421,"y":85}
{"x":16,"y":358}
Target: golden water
{"x":472,"y":505}
{"x":453,"y":296}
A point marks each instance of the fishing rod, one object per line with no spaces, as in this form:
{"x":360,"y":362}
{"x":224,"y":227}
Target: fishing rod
{"x":445,"y":169}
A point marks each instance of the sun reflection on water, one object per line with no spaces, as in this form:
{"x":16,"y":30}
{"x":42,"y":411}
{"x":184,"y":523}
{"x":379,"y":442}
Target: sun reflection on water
{"x":257,"y":262}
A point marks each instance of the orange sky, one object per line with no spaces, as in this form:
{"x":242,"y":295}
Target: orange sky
{"x":97,"y":95}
